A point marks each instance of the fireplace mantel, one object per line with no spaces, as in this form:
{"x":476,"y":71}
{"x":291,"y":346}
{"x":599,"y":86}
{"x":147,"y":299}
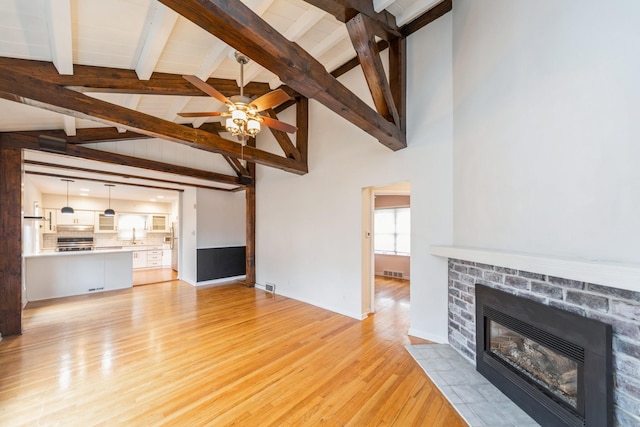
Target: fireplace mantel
{"x":623,"y":276}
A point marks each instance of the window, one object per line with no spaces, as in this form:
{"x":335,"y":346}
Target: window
{"x":392,"y":231}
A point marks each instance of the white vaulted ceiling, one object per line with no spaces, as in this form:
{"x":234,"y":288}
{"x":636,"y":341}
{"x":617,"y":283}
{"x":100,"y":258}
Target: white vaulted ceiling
{"x":146,"y":36}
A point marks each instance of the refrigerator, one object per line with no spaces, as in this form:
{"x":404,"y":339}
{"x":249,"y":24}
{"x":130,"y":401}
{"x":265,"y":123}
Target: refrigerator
{"x":174,"y":246}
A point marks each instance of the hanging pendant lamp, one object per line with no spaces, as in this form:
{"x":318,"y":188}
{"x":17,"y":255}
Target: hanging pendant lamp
{"x":109,"y":211}
{"x":67,"y":210}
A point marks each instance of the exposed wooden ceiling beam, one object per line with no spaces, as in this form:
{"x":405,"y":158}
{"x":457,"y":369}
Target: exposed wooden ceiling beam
{"x":283,"y":139}
{"x":119,"y":174}
{"x":426,"y":18}
{"x":87,"y":135}
{"x":31,"y":91}
{"x":105,"y":134}
{"x":302,"y":136}
{"x":31,"y":141}
{"x":398,"y":78}
{"x":235,"y":24}
{"x":406,"y":30}
{"x":364,"y":42}
{"x":346,"y":10}
{"x":108,"y":181}
{"x":115,"y":80}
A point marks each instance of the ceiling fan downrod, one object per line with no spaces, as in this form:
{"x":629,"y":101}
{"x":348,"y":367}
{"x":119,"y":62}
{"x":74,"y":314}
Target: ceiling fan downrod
{"x":242,"y":60}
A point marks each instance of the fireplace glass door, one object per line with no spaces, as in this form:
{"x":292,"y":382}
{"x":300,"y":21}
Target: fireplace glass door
{"x":551,"y":371}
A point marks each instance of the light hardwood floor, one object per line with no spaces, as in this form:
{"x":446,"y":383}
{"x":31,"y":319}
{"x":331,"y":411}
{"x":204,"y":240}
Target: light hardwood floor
{"x":172,"y":354}
{"x":153,"y":275}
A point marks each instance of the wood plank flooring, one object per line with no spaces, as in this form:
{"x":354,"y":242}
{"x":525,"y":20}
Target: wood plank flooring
{"x":153,"y":275}
{"x":172,"y":354}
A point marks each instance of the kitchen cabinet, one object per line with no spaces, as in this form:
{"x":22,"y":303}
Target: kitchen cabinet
{"x":166,"y":257}
{"x":105,"y":224}
{"x":151,"y":257}
{"x":154,"y":258}
{"x":49,"y":221}
{"x":77,"y":218}
{"x":158,"y":223}
{"x":139,"y":259}
{"x":61,"y":274}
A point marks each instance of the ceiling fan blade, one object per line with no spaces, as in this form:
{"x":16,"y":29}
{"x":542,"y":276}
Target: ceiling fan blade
{"x":270,"y":100}
{"x":278,"y":125}
{"x":202,"y":114}
{"x":207,"y":88}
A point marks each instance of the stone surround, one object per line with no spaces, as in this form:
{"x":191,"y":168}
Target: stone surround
{"x":618,"y":307}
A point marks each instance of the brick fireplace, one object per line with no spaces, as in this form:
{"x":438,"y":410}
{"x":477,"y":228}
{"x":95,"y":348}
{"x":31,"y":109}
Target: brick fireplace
{"x":618,"y":307}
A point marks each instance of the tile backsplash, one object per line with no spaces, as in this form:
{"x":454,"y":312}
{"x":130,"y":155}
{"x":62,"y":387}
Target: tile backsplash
{"x":49,"y":241}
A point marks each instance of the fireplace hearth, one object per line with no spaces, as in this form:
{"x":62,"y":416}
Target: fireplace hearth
{"x":554,"y":364}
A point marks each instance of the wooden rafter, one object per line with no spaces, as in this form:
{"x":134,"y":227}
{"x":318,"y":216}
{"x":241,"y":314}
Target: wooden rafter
{"x":30,"y":141}
{"x":364,"y":42}
{"x":398,"y":78}
{"x":86,"y":135}
{"x":25,"y":89}
{"x":235,"y":24}
{"x":118,"y":174}
{"x":426,"y":18}
{"x":345,"y":10}
{"x":115,"y":80}
{"x":302,"y":136}
{"x":283,"y":139}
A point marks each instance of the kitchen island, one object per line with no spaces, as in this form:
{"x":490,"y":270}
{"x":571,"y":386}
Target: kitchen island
{"x":60,"y":274}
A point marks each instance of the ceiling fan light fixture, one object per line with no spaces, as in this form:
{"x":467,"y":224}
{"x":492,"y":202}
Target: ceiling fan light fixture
{"x":243,"y":118}
{"x":253,"y":127}
{"x":239,"y":117}
{"x":231,"y":127}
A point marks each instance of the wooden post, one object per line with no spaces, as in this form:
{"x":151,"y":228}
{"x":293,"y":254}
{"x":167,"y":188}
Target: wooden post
{"x":250,"y":193}
{"x":11,"y":241}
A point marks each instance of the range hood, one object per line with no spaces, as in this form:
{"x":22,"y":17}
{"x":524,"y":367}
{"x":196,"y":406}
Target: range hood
{"x":74,"y":227}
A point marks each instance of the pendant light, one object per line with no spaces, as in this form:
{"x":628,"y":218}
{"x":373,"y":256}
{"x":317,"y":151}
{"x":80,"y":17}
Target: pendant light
{"x":109,"y":211}
{"x":67,"y":210}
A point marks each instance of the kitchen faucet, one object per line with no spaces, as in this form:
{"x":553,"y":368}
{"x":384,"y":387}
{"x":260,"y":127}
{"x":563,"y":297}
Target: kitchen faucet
{"x":133,"y":238}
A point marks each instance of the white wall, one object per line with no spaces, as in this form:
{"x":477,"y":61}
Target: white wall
{"x":546,"y":97}
{"x":187,"y":239}
{"x":221,"y":219}
{"x":309,"y":227}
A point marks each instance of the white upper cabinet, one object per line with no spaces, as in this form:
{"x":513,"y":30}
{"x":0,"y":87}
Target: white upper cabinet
{"x":158,"y":223}
{"x":78,"y":217}
{"x":105,"y":224}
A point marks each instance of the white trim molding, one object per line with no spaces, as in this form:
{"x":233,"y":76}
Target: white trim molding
{"x":615,"y":275}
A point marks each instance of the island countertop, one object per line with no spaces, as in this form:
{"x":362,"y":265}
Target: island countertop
{"x":58,"y":274}
{"x":97,"y":250}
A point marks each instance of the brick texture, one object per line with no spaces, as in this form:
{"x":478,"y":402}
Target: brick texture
{"x":618,"y":307}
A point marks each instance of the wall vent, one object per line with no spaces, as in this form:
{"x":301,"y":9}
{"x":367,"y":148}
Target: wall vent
{"x":396,"y":274}
{"x":270,"y":287}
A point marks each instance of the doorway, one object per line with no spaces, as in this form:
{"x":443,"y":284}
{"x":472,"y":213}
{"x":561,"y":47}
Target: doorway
{"x":386,"y":238}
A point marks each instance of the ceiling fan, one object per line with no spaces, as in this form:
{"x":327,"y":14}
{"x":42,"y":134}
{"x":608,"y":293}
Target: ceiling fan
{"x":243,"y":113}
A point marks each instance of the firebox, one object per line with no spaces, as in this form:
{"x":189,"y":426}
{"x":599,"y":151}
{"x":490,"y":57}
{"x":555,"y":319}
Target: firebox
{"x":554,"y":364}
